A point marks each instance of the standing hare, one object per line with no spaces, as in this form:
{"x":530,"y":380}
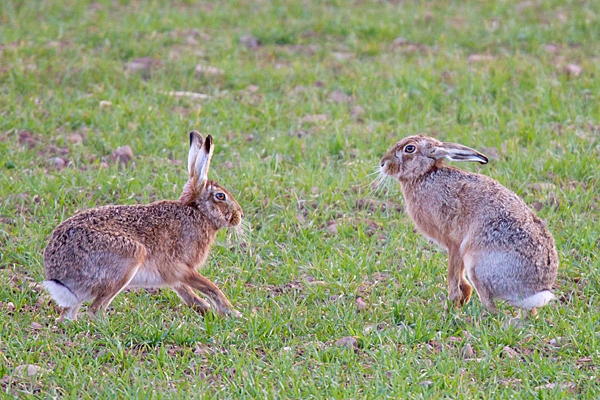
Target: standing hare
{"x":506,"y":250}
{"x":97,"y":253}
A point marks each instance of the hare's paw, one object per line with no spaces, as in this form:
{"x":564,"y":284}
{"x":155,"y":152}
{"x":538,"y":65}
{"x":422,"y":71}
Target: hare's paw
{"x":460,"y":295}
{"x":235,"y":313}
{"x":201,"y":306}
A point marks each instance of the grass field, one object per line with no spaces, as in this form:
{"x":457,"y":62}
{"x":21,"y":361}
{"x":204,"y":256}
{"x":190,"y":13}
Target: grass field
{"x":303,"y":100}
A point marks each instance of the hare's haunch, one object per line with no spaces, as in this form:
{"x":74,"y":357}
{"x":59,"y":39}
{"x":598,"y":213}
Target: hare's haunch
{"x":97,"y":253}
{"x":489,"y":232}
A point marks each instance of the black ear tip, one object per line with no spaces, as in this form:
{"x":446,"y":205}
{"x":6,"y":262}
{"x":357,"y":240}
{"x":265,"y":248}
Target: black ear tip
{"x":208,"y":143}
{"x":195,"y":134}
{"x":484,"y":161}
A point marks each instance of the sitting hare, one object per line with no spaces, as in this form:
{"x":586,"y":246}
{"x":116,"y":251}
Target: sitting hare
{"x":506,"y":250}
{"x":97,"y":253}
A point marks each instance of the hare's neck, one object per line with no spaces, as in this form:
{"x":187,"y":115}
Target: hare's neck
{"x":202,"y":240}
{"x":189,"y":193}
{"x":425,"y":206}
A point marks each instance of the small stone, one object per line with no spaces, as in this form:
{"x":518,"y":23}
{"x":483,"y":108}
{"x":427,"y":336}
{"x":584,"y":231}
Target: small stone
{"x":29,"y":370}
{"x":556,"y":342}
{"x":36,"y":325}
{"x":425,"y":383}
{"x":573,"y":70}
{"x":191,"y":41}
{"x":59,"y":162}
{"x":510,"y":353}
{"x":250,"y":41}
{"x":341,"y":55}
{"x":357,"y":111}
{"x":537,"y":205}
{"x":400,"y":41}
{"x":542,"y":186}
{"x":360,"y":304}
{"x":190,"y":95}
{"x":105,"y":103}
{"x":332,"y":227}
{"x":314,"y":119}
{"x":348,"y":341}
{"x":228,"y":164}
{"x":75,"y":138}
{"x":337,"y":96}
{"x":552,"y":48}
{"x":10,"y":306}
{"x":201,"y":350}
{"x":474,"y":58}
{"x":207,"y":70}
{"x":468,"y":351}
{"x":123,"y":155}
{"x":143,"y":64}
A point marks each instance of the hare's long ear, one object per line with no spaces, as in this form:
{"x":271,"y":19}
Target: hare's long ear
{"x":458,"y":152}
{"x":196,"y":141}
{"x":203,"y":161}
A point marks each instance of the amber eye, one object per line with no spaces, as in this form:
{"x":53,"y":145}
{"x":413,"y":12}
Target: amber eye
{"x":220,"y":196}
{"x":409,"y":149}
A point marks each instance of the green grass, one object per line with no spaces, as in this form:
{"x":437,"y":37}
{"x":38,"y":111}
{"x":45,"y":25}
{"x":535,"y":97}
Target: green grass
{"x":294,"y":280}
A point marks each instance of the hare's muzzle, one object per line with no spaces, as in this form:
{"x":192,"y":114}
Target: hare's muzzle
{"x":236,"y":218}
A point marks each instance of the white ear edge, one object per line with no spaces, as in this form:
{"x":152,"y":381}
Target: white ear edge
{"x":460,"y":153}
{"x":203,"y":160}
{"x":196,"y":141}
{"x":461,"y":157}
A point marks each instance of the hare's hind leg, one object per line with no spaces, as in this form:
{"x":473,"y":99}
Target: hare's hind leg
{"x":69,"y":313}
{"x":124,"y":269}
{"x":486,"y":296}
{"x":191,"y":299}
{"x":205,"y":286}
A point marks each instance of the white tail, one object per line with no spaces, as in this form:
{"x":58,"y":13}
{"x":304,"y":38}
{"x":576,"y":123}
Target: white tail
{"x":61,"y":294}
{"x":537,"y":300}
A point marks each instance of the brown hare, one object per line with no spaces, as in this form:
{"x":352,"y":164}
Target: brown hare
{"x":97,"y":253}
{"x":489,"y":232}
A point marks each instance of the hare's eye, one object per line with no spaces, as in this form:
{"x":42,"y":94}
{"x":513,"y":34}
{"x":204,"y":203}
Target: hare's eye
{"x":410,"y":148}
{"x":220,"y":196}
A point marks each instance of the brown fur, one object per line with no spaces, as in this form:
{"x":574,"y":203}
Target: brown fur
{"x":487,"y":229}
{"x":95,"y":254}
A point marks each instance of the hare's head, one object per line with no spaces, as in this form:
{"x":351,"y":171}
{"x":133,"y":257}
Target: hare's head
{"x":215,"y":202}
{"x":414,"y":156}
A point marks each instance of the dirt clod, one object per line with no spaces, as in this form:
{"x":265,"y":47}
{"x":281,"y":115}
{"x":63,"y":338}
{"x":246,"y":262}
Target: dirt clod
{"x":360,"y":304}
{"x":122,"y":155}
{"x":348,"y":341}
{"x":250,"y":41}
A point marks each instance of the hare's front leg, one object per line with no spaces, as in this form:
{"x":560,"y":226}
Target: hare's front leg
{"x":459,"y":290}
{"x":205,"y":286}
{"x":191,"y":299}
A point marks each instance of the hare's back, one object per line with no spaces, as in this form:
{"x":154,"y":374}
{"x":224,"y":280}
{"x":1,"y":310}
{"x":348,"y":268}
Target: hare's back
{"x":503,"y":219}
{"x":108,"y":227}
